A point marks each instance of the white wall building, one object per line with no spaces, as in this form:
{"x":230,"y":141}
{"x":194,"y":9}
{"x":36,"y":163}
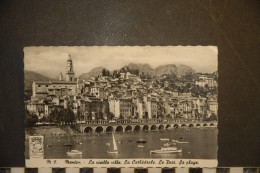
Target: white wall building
{"x":114,"y":107}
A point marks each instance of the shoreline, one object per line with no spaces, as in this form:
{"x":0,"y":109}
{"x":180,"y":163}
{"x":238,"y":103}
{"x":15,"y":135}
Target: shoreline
{"x":65,"y":130}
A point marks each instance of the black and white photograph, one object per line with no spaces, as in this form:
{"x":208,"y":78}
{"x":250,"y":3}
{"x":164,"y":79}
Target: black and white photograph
{"x":121,"y":102}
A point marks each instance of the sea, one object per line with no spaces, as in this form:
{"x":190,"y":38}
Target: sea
{"x":201,"y":144}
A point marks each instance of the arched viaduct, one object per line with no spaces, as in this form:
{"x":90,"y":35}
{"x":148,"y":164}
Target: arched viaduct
{"x":129,"y":127}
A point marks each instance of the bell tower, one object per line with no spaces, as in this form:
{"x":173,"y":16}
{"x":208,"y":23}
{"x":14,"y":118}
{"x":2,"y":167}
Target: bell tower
{"x":70,"y":73}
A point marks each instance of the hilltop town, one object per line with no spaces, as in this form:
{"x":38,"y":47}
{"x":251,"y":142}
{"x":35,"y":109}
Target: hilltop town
{"x":126,"y":93}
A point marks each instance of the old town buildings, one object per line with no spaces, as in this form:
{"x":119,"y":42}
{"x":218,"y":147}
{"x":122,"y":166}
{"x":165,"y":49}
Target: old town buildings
{"x":124,"y":96}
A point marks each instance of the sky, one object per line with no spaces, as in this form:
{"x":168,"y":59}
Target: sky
{"x":51,"y":61}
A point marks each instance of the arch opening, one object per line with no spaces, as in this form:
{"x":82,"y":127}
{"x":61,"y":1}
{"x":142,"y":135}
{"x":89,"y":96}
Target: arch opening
{"x":153,"y":127}
{"x":205,"y":125}
{"x":183,"y":125}
{"x":109,"y":129}
{"x":211,"y":124}
{"x":99,"y":129}
{"x":191,"y":125}
{"x":119,"y":129}
{"x":146,"y":127}
{"x":88,"y":130}
{"x":128,"y":128}
{"x":198,"y":125}
{"x":176,"y":126}
{"x":137,"y":128}
{"x":168,"y":126}
{"x":161,"y":127}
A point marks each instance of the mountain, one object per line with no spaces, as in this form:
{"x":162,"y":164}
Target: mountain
{"x":173,"y":69}
{"x":163,"y":69}
{"x":30,"y":76}
{"x":145,"y":68}
{"x":93,"y":73}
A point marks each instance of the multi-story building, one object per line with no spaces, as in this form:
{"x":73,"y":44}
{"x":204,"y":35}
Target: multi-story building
{"x":138,"y":105}
{"x":213,"y":106}
{"x":150,"y":105}
{"x":93,"y":106}
{"x":41,"y":89}
{"x":125,"y":106}
{"x":154,"y":107}
{"x":97,"y":91}
{"x":114,"y":107}
{"x":35,"y":107}
{"x":203,"y":81}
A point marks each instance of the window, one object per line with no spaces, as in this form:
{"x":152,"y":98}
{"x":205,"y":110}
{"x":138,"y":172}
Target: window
{"x":39,"y":85}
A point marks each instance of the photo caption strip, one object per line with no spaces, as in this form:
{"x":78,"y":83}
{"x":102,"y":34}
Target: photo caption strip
{"x":131,"y":170}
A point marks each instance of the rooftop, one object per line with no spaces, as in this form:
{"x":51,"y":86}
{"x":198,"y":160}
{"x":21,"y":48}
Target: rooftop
{"x":55,"y":82}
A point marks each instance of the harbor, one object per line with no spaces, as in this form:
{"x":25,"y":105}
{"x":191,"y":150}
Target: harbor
{"x":194,"y":143}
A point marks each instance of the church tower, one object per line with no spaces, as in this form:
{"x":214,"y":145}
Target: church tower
{"x":70,"y":73}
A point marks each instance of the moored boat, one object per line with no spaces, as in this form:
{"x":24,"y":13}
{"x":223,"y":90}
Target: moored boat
{"x":141,"y":141}
{"x":182,"y":142}
{"x":164,"y":139}
{"x":140,"y":146}
{"x":74,"y":152}
{"x":169,"y":144}
{"x":166,"y":150}
{"x":115,"y":150}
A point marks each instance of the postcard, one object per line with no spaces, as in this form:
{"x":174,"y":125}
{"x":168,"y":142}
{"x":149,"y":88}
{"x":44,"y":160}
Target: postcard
{"x":121,"y":106}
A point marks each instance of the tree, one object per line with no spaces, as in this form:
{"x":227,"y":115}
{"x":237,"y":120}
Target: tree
{"x":105,"y":72}
{"x":121,"y":117}
{"x":54,"y":116}
{"x":68,"y":116}
{"x":30,"y":119}
{"x":110,"y":116}
{"x":212,"y":117}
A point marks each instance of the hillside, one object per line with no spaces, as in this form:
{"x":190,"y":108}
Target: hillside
{"x":173,"y":69}
{"x":30,"y":76}
{"x":146,"y":69}
{"x":93,"y":73}
{"x":163,"y":69}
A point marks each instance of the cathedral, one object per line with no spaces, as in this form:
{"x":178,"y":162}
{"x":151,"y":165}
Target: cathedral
{"x":61,"y":87}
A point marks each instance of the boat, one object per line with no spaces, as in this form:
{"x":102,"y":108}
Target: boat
{"x":115,"y":150}
{"x":140,"y":146}
{"x":166,"y":150}
{"x":169,"y":144}
{"x":175,"y":140}
{"x":164,"y":139}
{"x":74,"y":152}
{"x":141,"y":141}
{"x":182,"y":142}
{"x":78,"y":142}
